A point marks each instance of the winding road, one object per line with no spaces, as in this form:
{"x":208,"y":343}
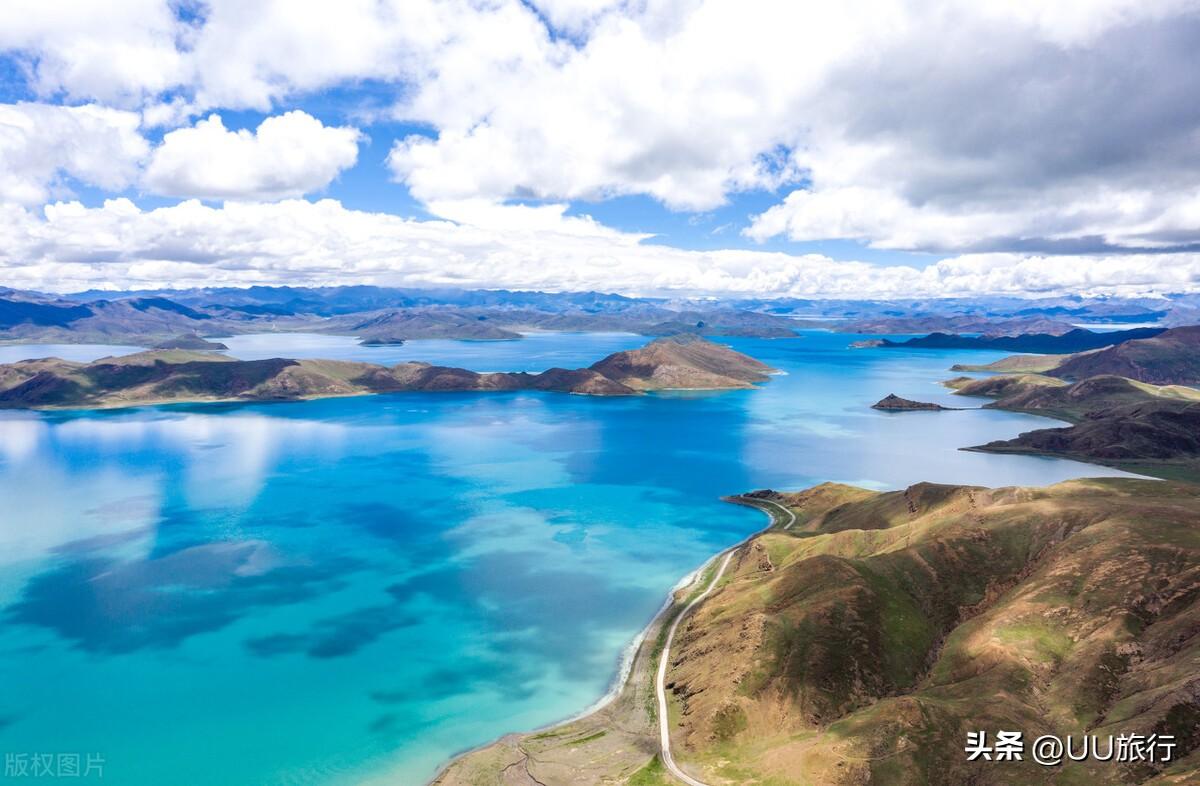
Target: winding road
{"x":664,"y":722}
{"x":790,"y":515}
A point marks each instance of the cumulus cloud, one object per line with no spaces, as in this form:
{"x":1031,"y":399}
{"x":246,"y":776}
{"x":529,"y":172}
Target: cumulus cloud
{"x":119,"y":51}
{"x":960,"y":127}
{"x":288,"y":155}
{"x":71,"y":247}
{"x":41,"y":145}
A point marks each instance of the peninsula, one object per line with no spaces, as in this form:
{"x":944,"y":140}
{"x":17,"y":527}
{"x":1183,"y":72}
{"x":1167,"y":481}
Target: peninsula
{"x":177,"y":376}
{"x":1115,"y":421}
{"x":861,"y":621}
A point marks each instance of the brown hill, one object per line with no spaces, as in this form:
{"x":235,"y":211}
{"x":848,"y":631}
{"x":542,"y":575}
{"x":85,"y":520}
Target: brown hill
{"x":683,"y":362}
{"x":1170,"y":358}
{"x":864,"y":656}
{"x":860,"y":644}
{"x":1159,"y":438}
{"x":1117,"y":421}
{"x":190,"y":341}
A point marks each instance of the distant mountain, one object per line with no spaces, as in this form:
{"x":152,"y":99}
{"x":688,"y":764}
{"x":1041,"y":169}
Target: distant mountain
{"x":377,"y":315}
{"x":183,"y":376}
{"x":989,"y":327}
{"x":1077,"y":340}
{"x":398,"y":326}
{"x":138,"y":320}
{"x":1169,"y":358}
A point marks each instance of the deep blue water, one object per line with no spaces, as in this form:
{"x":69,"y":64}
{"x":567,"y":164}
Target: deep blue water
{"x":347,"y":590}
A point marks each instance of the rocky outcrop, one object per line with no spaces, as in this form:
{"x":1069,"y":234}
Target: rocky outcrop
{"x":893,"y":403}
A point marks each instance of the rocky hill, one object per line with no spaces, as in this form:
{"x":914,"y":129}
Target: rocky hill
{"x":181,"y":376}
{"x":893,"y":403}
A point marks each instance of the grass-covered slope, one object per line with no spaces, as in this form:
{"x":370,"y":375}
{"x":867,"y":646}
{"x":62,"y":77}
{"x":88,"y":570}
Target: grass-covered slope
{"x":861,"y":645}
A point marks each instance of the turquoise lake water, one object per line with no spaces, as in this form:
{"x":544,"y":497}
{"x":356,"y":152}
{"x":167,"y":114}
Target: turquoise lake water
{"x":352,"y":590}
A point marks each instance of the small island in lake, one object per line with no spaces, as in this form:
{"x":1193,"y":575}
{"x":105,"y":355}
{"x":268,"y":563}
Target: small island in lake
{"x":893,"y":403}
{"x":190,"y":341}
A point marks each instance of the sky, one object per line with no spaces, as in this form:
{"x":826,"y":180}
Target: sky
{"x":865,"y":148}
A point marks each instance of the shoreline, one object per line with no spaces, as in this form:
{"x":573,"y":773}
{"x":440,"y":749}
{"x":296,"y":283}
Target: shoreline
{"x":636,"y":666}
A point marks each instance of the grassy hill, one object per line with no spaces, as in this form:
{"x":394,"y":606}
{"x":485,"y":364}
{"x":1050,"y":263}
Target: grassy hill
{"x":682,"y":361}
{"x":861,"y":646}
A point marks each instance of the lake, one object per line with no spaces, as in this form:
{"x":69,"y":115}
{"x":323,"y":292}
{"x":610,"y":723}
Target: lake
{"x":352,"y":590}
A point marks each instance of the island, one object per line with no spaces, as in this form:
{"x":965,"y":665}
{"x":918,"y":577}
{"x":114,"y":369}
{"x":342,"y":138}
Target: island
{"x":178,"y":376}
{"x":893,"y":403}
{"x":190,"y":341}
{"x":859,"y":621}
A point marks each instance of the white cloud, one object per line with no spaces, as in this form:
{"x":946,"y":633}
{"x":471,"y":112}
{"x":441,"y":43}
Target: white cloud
{"x":576,"y":17}
{"x":117,"y":51}
{"x":956,"y":125}
{"x":1138,"y":218}
{"x":41,"y":144}
{"x":71,"y":247}
{"x":289,"y":155}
